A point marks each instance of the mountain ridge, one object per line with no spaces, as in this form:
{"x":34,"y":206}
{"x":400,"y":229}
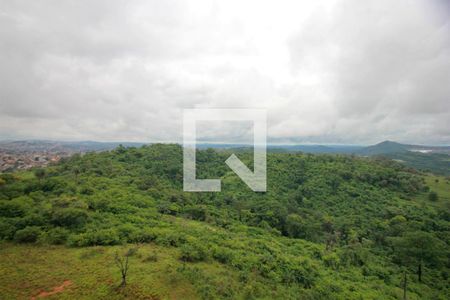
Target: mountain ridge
{"x":387,"y":147}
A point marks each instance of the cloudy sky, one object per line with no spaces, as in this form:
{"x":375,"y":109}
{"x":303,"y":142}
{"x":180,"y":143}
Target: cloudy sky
{"x":353,"y":71}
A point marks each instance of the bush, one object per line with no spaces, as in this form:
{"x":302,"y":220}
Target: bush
{"x":12,"y":209}
{"x":193,"y":252}
{"x":299,"y":271}
{"x":169,"y":238}
{"x":8,"y":177}
{"x":29,"y":234}
{"x":127,"y":232}
{"x":7,"y":230}
{"x":295,"y":226}
{"x":376,"y":270}
{"x":55,"y":236}
{"x":85,"y":190}
{"x":32,"y":219}
{"x":433,"y":196}
{"x":145,"y":235}
{"x":92,"y":238}
{"x":222,"y":255}
{"x":69,"y":217}
{"x":332,"y":261}
{"x":169,"y":208}
{"x":197,"y":212}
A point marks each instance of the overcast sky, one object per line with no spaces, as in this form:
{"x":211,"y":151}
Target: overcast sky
{"x":354,"y":72}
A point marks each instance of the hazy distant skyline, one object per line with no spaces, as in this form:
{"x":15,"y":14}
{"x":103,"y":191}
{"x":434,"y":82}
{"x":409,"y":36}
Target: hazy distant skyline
{"x":342,"y":72}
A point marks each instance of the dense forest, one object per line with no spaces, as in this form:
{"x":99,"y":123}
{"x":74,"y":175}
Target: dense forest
{"x":328,"y":227}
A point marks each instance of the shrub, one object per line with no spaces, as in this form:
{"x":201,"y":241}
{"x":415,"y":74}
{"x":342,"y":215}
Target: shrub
{"x":145,"y":235}
{"x":302,"y":272}
{"x":223,"y":255}
{"x":40,"y":174}
{"x":376,"y":270}
{"x":127,"y":232}
{"x":29,"y":234}
{"x":55,"y":236}
{"x":193,"y":252}
{"x":332,"y":261}
{"x":85,"y":190}
{"x":169,"y":238}
{"x":354,"y":255}
{"x":69,"y":217}
{"x":8,"y":177}
{"x":98,"y":237}
{"x":295,"y":226}
{"x":7,"y":230}
{"x":198,"y":212}
{"x":169,"y":208}
{"x":11,"y":209}
{"x":32,"y":219}
{"x":433,"y":196}
{"x":56,"y":186}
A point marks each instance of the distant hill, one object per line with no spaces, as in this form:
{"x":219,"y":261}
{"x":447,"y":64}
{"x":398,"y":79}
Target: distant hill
{"x":384,"y":148}
{"x":437,"y":163}
{"x":388,"y":147}
{"x":317,"y":148}
{"x":435,"y":159}
{"x":289,"y":148}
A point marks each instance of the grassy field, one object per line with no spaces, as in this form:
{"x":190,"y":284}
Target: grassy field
{"x":60,"y":272}
{"x":28,"y":270}
{"x":440,"y":185}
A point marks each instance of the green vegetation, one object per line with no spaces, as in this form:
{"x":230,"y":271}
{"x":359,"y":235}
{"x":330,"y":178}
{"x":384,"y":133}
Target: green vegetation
{"x":438,"y":163}
{"x":329,"y":227}
{"x":39,"y":173}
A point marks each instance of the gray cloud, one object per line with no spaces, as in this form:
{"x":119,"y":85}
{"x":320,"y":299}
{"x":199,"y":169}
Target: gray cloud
{"x":385,"y":66}
{"x":344,"y":72}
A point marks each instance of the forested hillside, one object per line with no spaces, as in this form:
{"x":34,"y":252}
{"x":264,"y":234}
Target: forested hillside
{"x":437,"y":163}
{"x":328,"y":227}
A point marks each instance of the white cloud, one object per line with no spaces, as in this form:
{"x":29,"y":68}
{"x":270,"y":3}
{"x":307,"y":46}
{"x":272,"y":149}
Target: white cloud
{"x":327,"y":71}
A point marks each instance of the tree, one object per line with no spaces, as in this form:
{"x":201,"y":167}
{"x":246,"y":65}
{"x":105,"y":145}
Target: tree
{"x":76,"y":172}
{"x":29,"y":234}
{"x":405,"y":285}
{"x":419,"y":248}
{"x":433,"y":196}
{"x":69,"y":217}
{"x":295,"y":226}
{"x":121,"y":262}
{"x":40,"y":174}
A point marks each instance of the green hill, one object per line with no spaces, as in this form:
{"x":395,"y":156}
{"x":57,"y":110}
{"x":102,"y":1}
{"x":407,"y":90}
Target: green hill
{"x":435,"y":159}
{"x":384,"y":148}
{"x":328,"y":227}
{"x":437,"y":163}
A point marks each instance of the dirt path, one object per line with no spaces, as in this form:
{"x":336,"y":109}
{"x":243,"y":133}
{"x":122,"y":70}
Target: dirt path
{"x":56,"y":289}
